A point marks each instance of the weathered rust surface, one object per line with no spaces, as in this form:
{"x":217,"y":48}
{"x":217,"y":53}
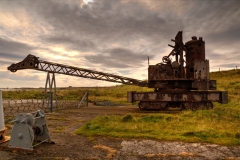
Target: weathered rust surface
{"x":181,"y":80}
{"x":33,"y":62}
{"x":192,"y":96}
{"x":175,"y":71}
{"x":3,"y":137}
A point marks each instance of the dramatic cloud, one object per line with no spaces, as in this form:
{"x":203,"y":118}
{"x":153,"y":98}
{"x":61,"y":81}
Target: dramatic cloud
{"x":13,"y":50}
{"x":115,"y":36}
{"x":118,"y":58}
{"x":83,"y":45}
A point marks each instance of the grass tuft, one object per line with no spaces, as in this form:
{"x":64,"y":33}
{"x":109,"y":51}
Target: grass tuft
{"x":237,"y":135}
{"x":127,"y":118}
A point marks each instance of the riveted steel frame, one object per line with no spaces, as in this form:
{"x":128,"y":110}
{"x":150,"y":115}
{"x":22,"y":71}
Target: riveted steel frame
{"x":191,"y":96}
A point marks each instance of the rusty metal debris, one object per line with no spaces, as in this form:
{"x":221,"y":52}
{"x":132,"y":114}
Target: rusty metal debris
{"x":3,"y":138}
{"x":181,"y":80}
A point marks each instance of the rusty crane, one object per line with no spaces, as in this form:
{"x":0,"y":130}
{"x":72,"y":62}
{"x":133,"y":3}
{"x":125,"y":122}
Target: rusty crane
{"x":181,"y":80}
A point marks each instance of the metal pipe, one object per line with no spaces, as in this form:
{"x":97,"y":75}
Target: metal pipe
{"x":2,"y":126}
{"x":85,"y":96}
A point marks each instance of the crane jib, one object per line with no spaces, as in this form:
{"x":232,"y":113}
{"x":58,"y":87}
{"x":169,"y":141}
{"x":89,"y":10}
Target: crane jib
{"x":33,"y":62}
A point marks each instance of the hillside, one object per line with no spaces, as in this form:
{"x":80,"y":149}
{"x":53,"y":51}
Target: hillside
{"x":228,"y":80}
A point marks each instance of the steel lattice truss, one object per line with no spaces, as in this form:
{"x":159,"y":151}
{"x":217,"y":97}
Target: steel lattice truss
{"x":32,"y":62}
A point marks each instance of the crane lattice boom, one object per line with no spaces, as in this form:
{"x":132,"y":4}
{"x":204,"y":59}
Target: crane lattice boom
{"x":33,"y":62}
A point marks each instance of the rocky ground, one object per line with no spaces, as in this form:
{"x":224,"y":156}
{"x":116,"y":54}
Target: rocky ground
{"x":68,"y":146}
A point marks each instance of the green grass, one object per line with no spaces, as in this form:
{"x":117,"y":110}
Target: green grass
{"x":211,"y":126}
{"x":230,"y":81}
{"x":117,"y":94}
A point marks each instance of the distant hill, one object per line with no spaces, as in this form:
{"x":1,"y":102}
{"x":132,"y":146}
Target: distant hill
{"x":230,"y":81}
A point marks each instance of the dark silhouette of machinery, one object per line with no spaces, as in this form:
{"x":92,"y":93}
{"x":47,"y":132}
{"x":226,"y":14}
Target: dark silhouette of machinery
{"x":181,"y":80}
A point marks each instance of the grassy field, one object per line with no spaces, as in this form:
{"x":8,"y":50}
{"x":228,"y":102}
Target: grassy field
{"x":220,"y":125}
{"x":212,"y":126}
{"x":115,"y":94}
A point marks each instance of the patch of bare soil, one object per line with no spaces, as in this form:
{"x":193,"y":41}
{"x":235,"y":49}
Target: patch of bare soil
{"x":68,"y":146}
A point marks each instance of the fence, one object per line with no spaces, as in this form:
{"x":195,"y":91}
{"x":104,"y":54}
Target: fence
{"x":13,"y":107}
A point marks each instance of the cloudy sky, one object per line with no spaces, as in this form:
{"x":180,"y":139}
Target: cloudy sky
{"x":112,"y":36}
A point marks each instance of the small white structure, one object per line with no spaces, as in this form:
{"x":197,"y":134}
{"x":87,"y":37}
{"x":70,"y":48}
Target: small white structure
{"x":3,"y":138}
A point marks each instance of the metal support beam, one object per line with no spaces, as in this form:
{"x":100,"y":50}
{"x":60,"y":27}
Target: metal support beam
{"x":50,"y":87}
{"x":84,"y":97}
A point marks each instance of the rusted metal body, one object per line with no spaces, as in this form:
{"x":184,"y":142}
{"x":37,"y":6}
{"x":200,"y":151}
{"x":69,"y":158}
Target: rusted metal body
{"x":190,"y":73}
{"x":182,"y":99}
{"x":180,"y":80}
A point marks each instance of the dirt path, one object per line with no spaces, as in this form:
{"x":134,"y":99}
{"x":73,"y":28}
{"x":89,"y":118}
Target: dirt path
{"x":68,"y":146}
